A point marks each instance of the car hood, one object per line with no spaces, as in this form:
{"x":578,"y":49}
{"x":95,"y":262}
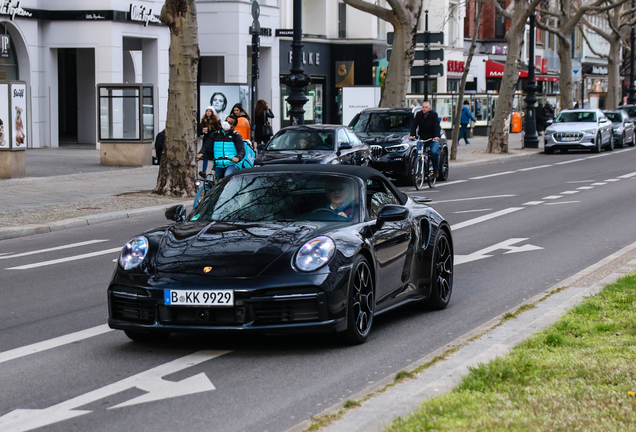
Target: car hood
{"x":383,"y":139}
{"x":232,"y":249}
{"x":572,"y":127}
{"x":292,"y":156}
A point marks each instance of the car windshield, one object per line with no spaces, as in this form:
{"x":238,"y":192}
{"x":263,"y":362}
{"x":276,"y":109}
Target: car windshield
{"x":614,"y":117}
{"x":256,"y":197}
{"x":576,"y":116}
{"x":390,"y":122}
{"x":631,"y":111}
{"x":302,"y":140}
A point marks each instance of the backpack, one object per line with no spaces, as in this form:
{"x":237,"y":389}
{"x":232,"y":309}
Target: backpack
{"x":248,"y":160}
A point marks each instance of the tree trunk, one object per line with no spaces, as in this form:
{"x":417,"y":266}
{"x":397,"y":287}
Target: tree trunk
{"x":462,"y":84}
{"x":498,"y":139}
{"x":613,"y":75}
{"x":565,"y":75}
{"x":399,"y":71}
{"x":178,"y":166}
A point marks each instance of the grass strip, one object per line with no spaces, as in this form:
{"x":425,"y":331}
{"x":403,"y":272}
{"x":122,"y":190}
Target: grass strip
{"x":578,"y":374}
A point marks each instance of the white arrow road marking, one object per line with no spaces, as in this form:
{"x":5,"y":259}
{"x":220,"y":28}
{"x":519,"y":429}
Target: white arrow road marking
{"x":485,"y":218}
{"x":67,"y":259}
{"x":68,"y":246}
{"x":505,"y":245}
{"x":53,"y":343}
{"x":150,"y":381}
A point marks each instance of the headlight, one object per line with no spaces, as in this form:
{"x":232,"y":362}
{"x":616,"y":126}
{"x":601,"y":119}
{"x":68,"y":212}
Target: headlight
{"x":589,"y":131}
{"x":397,"y":148}
{"x":133,"y":253}
{"x":618,"y":129}
{"x":314,"y":254}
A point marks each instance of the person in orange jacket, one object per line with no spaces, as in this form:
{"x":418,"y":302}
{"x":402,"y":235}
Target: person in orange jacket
{"x":243,"y":126}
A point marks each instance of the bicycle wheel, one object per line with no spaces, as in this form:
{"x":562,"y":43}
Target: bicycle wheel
{"x":430,"y":175}
{"x":419,"y":173}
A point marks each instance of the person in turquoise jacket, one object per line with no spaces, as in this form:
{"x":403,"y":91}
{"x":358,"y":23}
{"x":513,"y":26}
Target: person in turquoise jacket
{"x":225,"y":147}
{"x":464,"y":121}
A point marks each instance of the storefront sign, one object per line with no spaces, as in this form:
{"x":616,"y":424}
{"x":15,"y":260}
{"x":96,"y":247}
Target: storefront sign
{"x":544,"y":65}
{"x":5,"y":45}
{"x":599,"y":70}
{"x":500,"y":50}
{"x":285,"y":32}
{"x":141,"y":14}
{"x":308,"y":58}
{"x":8,"y":7}
{"x":496,"y":70}
{"x":19,"y":116}
{"x":455,"y":66}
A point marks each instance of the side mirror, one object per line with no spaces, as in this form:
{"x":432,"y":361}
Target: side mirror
{"x":391,"y":213}
{"x":176,"y":213}
{"x":344,"y":145}
{"x":260,"y":146}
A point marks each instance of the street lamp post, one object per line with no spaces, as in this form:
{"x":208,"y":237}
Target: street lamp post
{"x":530,"y":138}
{"x":631,"y":99}
{"x":297,"y":80}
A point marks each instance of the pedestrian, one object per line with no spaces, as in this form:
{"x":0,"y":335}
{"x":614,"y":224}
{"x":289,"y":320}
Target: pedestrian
{"x":464,"y":121}
{"x":263,"y":131}
{"x":548,"y":111}
{"x":227,"y":148}
{"x":159,"y":144}
{"x":540,"y":118}
{"x":426,"y":126}
{"x":209,"y":124}
{"x":243,"y":121}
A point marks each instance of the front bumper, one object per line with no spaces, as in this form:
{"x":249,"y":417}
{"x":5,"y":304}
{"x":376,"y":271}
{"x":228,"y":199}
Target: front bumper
{"x":395,"y":164}
{"x":588,"y":141}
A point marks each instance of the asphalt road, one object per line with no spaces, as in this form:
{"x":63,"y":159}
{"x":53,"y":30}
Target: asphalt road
{"x":519,"y":227}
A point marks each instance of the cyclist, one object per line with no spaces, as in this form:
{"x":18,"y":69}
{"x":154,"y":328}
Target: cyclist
{"x":226,"y":148}
{"x":426,"y":125}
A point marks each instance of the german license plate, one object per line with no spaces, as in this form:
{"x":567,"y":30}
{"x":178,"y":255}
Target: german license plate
{"x":569,"y":139}
{"x":219,"y":298}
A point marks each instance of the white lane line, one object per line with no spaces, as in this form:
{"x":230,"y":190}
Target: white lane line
{"x":53,"y":343}
{"x":569,"y":161}
{"x":471,"y":211}
{"x":552,"y":197}
{"x":569,"y":192}
{"x":599,"y":184}
{"x":534,"y":168}
{"x":491,"y":175}
{"x":585,"y":187}
{"x":475,"y":198}
{"x":580,"y":181}
{"x":562,"y":202}
{"x":485,"y":218}
{"x":627,"y":175}
{"x":612,"y":180}
{"x":68,"y":246}
{"x":529,"y":203}
{"x":598,"y":156}
{"x":67,"y":259}
{"x":450,"y":183}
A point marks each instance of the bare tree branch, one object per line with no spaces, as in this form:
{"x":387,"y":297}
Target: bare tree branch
{"x":589,"y":45}
{"x":378,"y":11}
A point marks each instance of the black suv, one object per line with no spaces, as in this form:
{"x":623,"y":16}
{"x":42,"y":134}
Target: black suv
{"x":387,"y":131}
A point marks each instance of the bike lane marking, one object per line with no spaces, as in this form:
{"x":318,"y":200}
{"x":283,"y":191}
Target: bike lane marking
{"x":150,"y":381}
{"x":67,"y":259}
{"x":68,"y":246}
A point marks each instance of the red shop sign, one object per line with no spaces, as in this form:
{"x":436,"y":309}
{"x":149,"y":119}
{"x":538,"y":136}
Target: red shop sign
{"x":455,"y":66}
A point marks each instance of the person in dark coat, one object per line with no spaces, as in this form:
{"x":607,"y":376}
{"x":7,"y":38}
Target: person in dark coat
{"x":262,"y":114}
{"x":159,"y":144}
{"x":548,"y":111}
{"x":540,"y":118}
{"x":426,"y":126}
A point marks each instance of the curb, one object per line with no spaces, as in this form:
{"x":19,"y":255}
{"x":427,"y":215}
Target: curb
{"x":78,"y":222}
{"x":495,"y":159}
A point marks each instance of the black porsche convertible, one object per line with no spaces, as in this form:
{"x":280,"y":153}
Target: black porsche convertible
{"x":282,"y":249}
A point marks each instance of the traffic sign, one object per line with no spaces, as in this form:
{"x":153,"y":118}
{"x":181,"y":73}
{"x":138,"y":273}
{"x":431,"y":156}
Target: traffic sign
{"x":434,"y":54}
{"x":433,"y":71}
{"x":256,"y":10}
{"x":577,"y":71}
{"x":433,"y":38}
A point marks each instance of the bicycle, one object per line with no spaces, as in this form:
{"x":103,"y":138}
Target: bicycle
{"x":424,"y":166}
{"x":203,"y":186}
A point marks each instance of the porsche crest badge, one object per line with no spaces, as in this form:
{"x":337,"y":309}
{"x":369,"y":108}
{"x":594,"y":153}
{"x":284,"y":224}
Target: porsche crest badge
{"x":207,"y":269}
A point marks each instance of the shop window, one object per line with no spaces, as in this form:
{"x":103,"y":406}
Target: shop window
{"x":313,"y":107}
{"x":9,"y":64}
{"x":342,"y":20}
{"x":417,"y":86}
{"x":493,"y":84}
{"x":452,"y":86}
{"x":212,"y":69}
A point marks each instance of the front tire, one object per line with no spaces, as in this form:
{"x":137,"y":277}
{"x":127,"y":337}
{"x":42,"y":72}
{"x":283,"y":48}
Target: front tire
{"x":597,"y":143}
{"x":548,"y":150}
{"x":442,"y":278}
{"x":610,"y":146}
{"x":361,"y":303}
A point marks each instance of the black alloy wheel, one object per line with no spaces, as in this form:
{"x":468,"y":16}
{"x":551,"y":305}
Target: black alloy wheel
{"x":443,"y":166}
{"x":361,"y":303}
{"x":597,"y":143}
{"x":621,"y":142}
{"x":156,"y":336}
{"x":442,"y":280}
{"x":610,"y":146}
{"x":632,"y":143}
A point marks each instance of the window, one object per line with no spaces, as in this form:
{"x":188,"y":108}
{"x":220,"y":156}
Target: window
{"x":500,"y":23}
{"x":452,"y":86}
{"x":452,"y":25}
{"x":342,"y":20}
{"x":378,"y":195}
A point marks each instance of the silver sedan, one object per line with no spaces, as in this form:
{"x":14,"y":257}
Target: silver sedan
{"x":579,"y":129}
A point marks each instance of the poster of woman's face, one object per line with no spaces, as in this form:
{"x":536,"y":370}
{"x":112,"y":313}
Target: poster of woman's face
{"x":223,"y":98}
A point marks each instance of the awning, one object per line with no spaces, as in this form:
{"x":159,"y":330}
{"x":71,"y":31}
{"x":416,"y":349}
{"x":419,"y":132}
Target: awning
{"x":546,"y":77}
{"x":496,"y":70}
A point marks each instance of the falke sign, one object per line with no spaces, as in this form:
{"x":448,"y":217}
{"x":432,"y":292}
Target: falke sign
{"x":141,"y":14}
{"x":455,"y":66}
{"x":7,"y":7}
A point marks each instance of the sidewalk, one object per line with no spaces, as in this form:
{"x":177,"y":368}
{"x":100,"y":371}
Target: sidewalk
{"x":67,"y":187}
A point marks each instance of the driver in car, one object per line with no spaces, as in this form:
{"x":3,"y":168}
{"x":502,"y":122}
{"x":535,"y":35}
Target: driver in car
{"x":340,"y":199}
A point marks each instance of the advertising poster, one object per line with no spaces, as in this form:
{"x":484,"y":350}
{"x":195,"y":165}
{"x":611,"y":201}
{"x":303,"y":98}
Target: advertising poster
{"x":223,"y":97}
{"x":19,"y":113}
{"x":4,"y":117}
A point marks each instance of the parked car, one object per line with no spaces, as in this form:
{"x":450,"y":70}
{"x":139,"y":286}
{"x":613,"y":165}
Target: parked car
{"x":314,"y":144}
{"x":387,"y":131}
{"x":623,"y":127}
{"x":579,"y":129}
{"x":629,"y":109}
{"x":266,"y":252}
